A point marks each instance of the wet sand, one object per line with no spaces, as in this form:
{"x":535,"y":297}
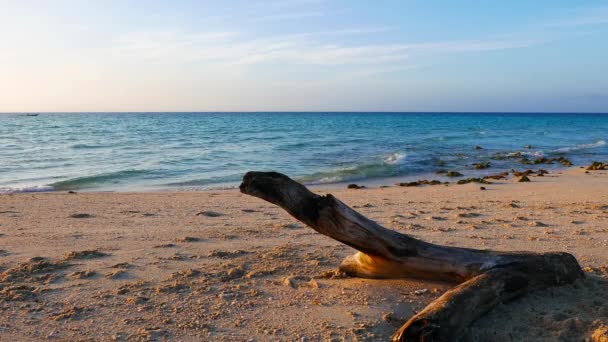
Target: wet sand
{"x":219,"y":265}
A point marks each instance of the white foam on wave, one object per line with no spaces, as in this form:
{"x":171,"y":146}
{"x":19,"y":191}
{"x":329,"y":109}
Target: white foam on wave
{"x":596,"y":144}
{"x":20,"y":189}
{"x":328,"y":180}
{"x":395,"y":158}
{"x":535,"y":154}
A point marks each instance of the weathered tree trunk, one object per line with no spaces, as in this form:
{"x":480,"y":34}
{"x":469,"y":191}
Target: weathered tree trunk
{"x":487,"y":278}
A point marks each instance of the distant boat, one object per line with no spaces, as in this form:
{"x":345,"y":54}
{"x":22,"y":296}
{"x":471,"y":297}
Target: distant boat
{"x":32,"y":114}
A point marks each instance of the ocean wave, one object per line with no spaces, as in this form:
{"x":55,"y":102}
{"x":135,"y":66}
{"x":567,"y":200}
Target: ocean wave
{"x":206,"y":182}
{"x":33,"y":188}
{"x":395,"y":158}
{"x":388,"y":166}
{"x":365,"y":171}
{"x":94,"y":181}
{"x":533,"y":154}
{"x":88,"y":146}
{"x":596,"y":144}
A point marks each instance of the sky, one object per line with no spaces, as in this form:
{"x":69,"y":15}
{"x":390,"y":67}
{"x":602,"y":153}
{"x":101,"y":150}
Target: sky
{"x":303,"y":55}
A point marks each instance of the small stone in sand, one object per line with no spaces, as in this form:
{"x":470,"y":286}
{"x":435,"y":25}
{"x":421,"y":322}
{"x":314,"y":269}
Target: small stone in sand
{"x":536,"y":224}
{"x":166,"y":245}
{"x":289,"y":282}
{"x":435,"y":218}
{"x":524,"y":178}
{"x":467,"y":215}
{"x":420,"y":292}
{"x":313,"y":284}
{"x":189,"y":239}
{"x":81,"y":216}
{"x":288,"y":226}
{"x":209,"y":214}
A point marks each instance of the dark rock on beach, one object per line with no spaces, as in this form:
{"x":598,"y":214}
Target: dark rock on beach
{"x":540,"y":173}
{"x":422,"y":182}
{"x":355,"y":186}
{"x":596,"y":166}
{"x":498,"y":176}
{"x":473,"y":180}
{"x":524,"y":178}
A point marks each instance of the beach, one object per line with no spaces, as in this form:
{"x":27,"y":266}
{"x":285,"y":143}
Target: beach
{"x":221,"y":265}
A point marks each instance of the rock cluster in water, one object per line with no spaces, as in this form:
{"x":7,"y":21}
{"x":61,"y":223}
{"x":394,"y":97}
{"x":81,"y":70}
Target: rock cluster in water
{"x":481,"y":165}
{"x":527,"y":161}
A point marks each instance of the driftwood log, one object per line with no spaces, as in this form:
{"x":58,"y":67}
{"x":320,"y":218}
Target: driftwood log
{"x":486,"y":278}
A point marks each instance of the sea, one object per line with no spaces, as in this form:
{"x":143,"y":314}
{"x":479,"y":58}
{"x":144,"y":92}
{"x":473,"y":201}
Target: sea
{"x":201,"y":151}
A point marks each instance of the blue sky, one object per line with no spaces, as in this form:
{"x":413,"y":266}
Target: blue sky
{"x":303,"y":55}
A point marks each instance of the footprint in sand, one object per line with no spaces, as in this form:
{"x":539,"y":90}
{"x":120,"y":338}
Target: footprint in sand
{"x":117,"y":274}
{"x":82,"y":274}
{"x":87,"y":254}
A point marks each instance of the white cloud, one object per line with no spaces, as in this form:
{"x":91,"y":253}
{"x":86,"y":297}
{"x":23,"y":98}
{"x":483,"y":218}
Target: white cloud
{"x":230,"y":48}
{"x":594,"y":16}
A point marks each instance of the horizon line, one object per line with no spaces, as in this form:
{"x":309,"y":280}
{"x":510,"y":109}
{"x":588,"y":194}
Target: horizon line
{"x":304,"y":112}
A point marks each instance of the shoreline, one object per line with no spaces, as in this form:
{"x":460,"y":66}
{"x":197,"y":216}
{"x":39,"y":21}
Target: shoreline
{"x":220,"y":265}
{"x":367,"y":182}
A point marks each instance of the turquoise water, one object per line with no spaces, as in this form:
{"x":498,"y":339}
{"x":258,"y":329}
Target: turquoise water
{"x":189,"y":151}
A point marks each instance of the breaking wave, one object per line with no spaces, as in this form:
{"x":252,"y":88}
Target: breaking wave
{"x":34,"y":188}
{"x":94,"y":181}
{"x":395,"y":158}
{"x":388,"y":166}
{"x":596,"y":144}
